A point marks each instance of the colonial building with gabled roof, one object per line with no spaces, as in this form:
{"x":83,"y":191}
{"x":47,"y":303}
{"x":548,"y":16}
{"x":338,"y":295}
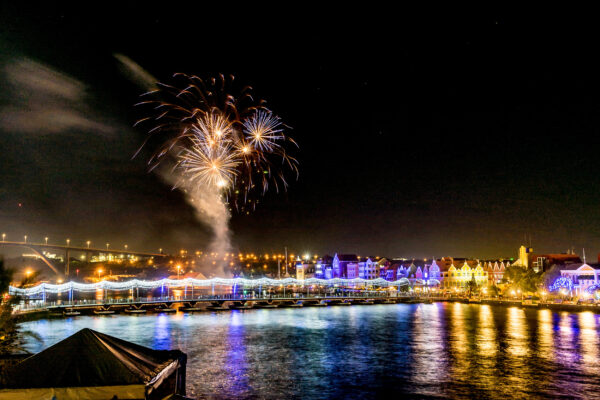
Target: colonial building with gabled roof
{"x":459,"y":276}
{"x":584,"y":277}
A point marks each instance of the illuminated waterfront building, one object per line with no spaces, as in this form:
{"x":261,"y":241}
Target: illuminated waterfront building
{"x":369,"y":269}
{"x":495,"y":271}
{"x":459,"y":276}
{"x":543,"y":262}
{"x":341,"y":263}
{"x":305,"y":270}
{"x":583,"y":276}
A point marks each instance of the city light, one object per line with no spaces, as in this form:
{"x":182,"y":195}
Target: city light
{"x":206,"y":283}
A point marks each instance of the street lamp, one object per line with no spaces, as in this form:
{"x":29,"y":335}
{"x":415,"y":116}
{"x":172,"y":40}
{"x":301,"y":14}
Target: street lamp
{"x":178,"y":270}
{"x":125,"y":247}
{"x":107,"y":244}
{"x":25,"y":238}
{"x":88,"y":244}
{"x":68,"y":241}
{"x":99,"y":272}
{"x":46,"y":239}
{"x":4,"y":237}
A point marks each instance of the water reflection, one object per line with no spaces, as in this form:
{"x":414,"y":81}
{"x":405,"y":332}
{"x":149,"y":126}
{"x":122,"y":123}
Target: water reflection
{"x":517,"y":334}
{"x":545,"y":335}
{"x":445,"y":350}
{"x":588,"y":339}
{"x":487,"y":345}
{"x":428,"y":350}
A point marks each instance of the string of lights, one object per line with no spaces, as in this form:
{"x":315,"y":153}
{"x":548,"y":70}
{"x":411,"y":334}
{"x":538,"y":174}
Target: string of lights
{"x":561,"y":283}
{"x":240,"y":282}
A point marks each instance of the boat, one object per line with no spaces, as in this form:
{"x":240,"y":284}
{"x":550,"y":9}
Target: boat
{"x":239,"y":307}
{"x":103,"y":312}
{"x":191,"y":309}
{"x":135,"y":311}
{"x":364,"y":302}
{"x":71,"y":313}
{"x":165,"y":310}
{"x":292,"y":305}
{"x":216,"y":308}
{"x":265,"y":306}
{"x":315,"y":305}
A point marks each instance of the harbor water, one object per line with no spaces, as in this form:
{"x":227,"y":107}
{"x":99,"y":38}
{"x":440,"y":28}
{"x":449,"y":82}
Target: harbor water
{"x":440,"y":350}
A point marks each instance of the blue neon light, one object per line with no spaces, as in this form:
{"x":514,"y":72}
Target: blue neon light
{"x":560,"y":283}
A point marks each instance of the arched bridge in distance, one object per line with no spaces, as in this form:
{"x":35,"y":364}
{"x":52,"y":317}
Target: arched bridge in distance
{"x":38,"y":249}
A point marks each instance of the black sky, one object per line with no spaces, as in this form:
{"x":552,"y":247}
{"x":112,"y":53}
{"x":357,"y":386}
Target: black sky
{"x":419,"y":136}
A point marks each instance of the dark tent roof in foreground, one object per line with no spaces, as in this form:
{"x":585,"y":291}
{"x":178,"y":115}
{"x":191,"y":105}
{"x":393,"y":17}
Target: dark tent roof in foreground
{"x":90,"y":358}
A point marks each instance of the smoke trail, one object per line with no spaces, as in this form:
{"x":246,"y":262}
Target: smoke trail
{"x":37,"y":99}
{"x":135,"y":73}
{"x":211,"y":210}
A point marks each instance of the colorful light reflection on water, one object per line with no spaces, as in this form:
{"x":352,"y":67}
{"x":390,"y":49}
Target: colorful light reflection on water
{"x":418,"y":351}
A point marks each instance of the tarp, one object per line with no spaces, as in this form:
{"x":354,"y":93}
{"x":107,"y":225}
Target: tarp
{"x":81,"y":393}
{"x":89,"y":359}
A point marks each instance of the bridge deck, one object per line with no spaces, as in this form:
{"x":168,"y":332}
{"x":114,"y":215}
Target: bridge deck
{"x":168,"y":302}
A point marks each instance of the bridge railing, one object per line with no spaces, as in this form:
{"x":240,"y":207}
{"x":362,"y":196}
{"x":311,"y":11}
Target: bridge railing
{"x":40,"y":304}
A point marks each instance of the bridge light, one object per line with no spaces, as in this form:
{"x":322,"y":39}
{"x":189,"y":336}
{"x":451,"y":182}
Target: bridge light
{"x":88,"y":244}
{"x":107,"y":244}
{"x":3,"y":237}
{"x":68,"y":241}
{"x":25,"y":238}
{"x":46,"y":239}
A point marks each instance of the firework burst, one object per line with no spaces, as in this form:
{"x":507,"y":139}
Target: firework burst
{"x":232,"y":143}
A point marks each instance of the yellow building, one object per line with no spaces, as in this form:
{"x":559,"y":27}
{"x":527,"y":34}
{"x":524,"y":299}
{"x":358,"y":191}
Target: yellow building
{"x":459,"y":277}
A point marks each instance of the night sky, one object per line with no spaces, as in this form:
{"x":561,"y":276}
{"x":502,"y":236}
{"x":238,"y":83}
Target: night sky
{"x":419,"y":136}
